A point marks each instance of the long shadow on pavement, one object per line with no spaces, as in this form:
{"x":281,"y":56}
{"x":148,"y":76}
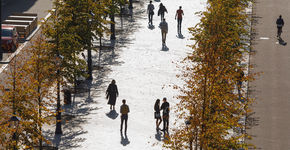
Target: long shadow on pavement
{"x":76,"y":115}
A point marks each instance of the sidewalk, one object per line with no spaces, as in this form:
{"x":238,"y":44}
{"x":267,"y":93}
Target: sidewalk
{"x":143,"y":72}
{"x":270,"y":118}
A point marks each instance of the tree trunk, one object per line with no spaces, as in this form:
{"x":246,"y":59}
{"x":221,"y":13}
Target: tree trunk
{"x":113,"y":34}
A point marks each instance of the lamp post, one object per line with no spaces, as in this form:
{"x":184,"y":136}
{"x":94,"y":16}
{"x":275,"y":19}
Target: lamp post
{"x":58,"y":129}
{"x":112,"y":17}
{"x":14,"y":121}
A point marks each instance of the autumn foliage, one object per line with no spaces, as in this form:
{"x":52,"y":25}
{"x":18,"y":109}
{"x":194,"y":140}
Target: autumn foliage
{"x":212,"y":100}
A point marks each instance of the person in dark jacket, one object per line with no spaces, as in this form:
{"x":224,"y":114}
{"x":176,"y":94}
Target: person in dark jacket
{"x":150,"y":11}
{"x":165,"y":115}
{"x":280,"y":24}
{"x":157,"y":114}
{"x":112,"y":94}
{"x":161,"y":11}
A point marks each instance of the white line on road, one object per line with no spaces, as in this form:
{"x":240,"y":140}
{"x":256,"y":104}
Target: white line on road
{"x":264,"y":38}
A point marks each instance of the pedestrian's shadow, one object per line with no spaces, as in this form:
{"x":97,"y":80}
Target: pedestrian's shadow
{"x":158,"y":135}
{"x":124,"y":140}
{"x":282,"y":42}
{"x":151,"y":27}
{"x":164,"y":48}
{"x":112,"y":114}
{"x":180,"y":36}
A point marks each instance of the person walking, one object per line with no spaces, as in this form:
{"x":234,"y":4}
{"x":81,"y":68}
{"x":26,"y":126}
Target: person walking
{"x":165,"y":115}
{"x":112,"y":94}
{"x":157,"y":114}
{"x":124,"y":110}
{"x":164,"y":29}
{"x":280,"y":24}
{"x":161,"y":11}
{"x":178,"y":15}
{"x":150,"y":11}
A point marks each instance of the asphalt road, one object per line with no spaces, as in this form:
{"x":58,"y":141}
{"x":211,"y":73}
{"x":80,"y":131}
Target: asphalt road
{"x":270,"y":120}
{"x":40,"y":7}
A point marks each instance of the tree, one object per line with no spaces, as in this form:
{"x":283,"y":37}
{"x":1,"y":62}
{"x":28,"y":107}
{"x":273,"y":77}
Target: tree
{"x":20,"y":98}
{"x":40,"y":70}
{"x":209,"y":101}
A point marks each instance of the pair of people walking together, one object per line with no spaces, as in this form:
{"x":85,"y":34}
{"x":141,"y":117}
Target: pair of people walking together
{"x":165,"y":114}
{"x":112,"y":94}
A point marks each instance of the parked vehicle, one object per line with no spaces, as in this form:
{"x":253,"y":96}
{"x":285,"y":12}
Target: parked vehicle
{"x":9,"y":38}
{"x":25,"y":23}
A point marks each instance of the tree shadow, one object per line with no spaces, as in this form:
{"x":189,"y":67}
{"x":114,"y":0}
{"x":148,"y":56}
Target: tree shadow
{"x":124,"y":139}
{"x":112,"y":114}
{"x":77,"y":115}
{"x":72,"y":129}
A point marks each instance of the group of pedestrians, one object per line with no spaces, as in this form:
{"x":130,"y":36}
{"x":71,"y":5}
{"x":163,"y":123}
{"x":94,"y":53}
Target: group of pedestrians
{"x":165,"y":114}
{"x":112,"y":94}
{"x":163,"y":24}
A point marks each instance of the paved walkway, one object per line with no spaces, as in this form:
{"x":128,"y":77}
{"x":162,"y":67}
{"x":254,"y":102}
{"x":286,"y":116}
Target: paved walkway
{"x":270,"y":121}
{"x":143,"y":71}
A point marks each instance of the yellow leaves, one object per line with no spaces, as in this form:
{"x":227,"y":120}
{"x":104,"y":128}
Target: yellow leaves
{"x":210,"y":95}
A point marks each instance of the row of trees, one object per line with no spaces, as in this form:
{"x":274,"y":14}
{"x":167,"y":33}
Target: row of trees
{"x":213,"y":74}
{"x":54,"y":61}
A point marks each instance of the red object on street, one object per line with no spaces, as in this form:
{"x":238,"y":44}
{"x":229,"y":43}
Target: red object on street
{"x":9,"y":38}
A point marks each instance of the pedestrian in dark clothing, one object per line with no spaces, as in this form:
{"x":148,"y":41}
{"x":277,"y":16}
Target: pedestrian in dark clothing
{"x":178,"y":15}
{"x":150,"y":11}
{"x":161,"y":11}
{"x":165,"y":115}
{"x":130,"y":4}
{"x":124,"y":110}
{"x":157,"y":114}
{"x":112,"y":94}
{"x":280,"y":24}
{"x":164,"y":30}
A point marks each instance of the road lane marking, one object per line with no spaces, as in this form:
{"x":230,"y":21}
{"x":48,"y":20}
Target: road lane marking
{"x":264,"y":38}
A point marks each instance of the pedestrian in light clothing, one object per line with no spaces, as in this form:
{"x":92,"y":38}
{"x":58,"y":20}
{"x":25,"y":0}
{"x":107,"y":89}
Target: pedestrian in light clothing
{"x":150,"y":11}
{"x":124,"y":110}
{"x":164,"y":29}
{"x":161,"y":11}
{"x":280,"y":24}
{"x":178,"y":15}
{"x":157,"y":114}
{"x":165,"y":115}
{"x":112,"y":94}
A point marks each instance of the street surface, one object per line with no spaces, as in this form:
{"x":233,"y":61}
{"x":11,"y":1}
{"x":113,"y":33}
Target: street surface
{"x":40,"y":7}
{"x":143,"y":72}
{"x":270,"y":119}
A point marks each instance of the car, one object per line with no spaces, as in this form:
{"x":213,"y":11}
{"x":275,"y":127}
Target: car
{"x":9,"y":38}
